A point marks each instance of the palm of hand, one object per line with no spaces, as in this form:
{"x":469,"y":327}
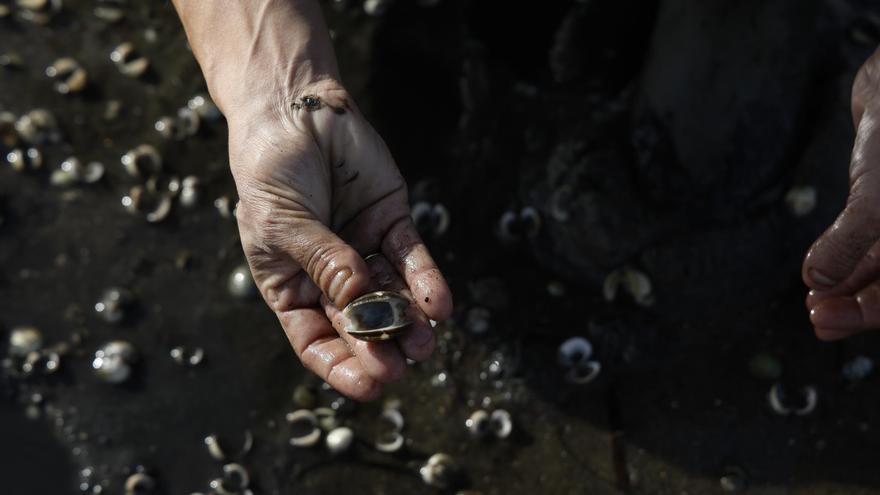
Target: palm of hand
{"x":319,"y":191}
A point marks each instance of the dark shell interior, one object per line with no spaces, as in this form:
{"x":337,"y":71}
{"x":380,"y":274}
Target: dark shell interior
{"x":373,"y":315}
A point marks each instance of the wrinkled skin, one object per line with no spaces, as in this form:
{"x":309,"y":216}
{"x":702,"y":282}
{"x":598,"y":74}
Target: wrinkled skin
{"x":319,"y":191}
{"x":842,"y":268}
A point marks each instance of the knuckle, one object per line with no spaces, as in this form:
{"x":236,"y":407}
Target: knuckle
{"x":326,"y":261}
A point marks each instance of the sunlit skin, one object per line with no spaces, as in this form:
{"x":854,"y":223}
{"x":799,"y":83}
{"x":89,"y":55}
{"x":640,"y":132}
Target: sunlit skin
{"x":842,"y":268}
{"x":318,"y":188}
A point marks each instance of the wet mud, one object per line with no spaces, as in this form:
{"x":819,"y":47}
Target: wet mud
{"x":660,"y":136}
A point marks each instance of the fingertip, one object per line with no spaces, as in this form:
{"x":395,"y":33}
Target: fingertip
{"x":382,"y":360}
{"x":432,"y":295}
{"x":837,"y":314}
{"x":827,"y":335}
{"x":418,"y":344}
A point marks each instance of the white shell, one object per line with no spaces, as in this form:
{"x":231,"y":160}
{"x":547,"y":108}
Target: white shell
{"x":313,"y":434}
{"x":394,"y":417}
{"x":390,"y":443}
{"x":113,"y":361}
{"x":858,"y":368}
{"x":574,"y":351}
{"x":214,"y":449}
{"x":241,"y":283}
{"x":24,"y":340}
{"x":501,"y":423}
{"x":111,"y":307}
{"x":339,"y":439}
{"x":801,"y":200}
{"x":478,"y":423}
{"x":583,"y":373}
{"x":774,"y":399}
{"x":633,"y":281}
{"x":478,"y":320}
{"x":139,"y":483}
{"x":438,"y":470}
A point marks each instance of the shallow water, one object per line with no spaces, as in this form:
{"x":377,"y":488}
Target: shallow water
{"x":674,"y":409}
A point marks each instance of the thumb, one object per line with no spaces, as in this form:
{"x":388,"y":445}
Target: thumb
{"x":834,"y":256}
{"x":335,"y":267}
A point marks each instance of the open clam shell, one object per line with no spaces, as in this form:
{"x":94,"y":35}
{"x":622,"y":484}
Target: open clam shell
{"x":377,"y":316}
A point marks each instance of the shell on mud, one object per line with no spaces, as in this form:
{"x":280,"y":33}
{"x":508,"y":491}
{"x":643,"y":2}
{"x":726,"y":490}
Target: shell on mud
{"x":377,"y":315}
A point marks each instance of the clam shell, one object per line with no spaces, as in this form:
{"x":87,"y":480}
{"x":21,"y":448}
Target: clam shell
{"x":377,"y":315}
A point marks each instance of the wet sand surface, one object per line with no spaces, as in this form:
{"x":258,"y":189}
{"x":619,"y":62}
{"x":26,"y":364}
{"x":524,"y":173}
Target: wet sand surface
{"x":680,"y":405}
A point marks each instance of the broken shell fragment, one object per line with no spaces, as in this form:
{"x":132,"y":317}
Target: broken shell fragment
{"x":129,"y":61}
{"x":142,"y":161}
{"x":10,"y":60}
{"x":501,"y":423}
{"x":633,"y":281}
{"x":39,"y":12}
{"x":224,"y":206}
{"x":304,"y":428}
{"x":583,"y":373}
{"x":478,"y":423}
{"x":113,"y":362}
{"x":139,"y":483}
{"x":38,"y":126}
{"x":205,"y":107}
{"x":390,"y":443}
{"x":166,"y":127}
{"x":212,"y":442}
{"x":858,"y":368}
{"x":161,"y":210}
{"x":113,"y":304}
{"x":69,"y":173}
{"x":186,"y":124}
{"x":478,"y":320}
{"x":801,"y":200}
{"x":574,"y":351}
{"x":439,"y":471}
{"x":24,"y":340}
{"x":8,"y":134}
{"x":110,"y":11}
{"x":21,"y":160}
{"x":782,"y":403}
{"x":377,"y":316}
{"x":515,"y":226}
{"x":235,"y":479}
{"x":430,"y":220}
{"x":93,"y":172}
{"x":69,"y":76}
{"x":187,"y":357}
{"x":189,"y":191}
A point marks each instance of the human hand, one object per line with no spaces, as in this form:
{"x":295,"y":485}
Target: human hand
{"x":318,"y":191}
{"x":843,"y":266}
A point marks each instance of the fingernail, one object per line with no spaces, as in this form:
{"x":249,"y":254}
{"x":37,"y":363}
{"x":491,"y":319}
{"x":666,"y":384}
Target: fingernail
{"x":338,"y":283}
{"x":822,"y":280}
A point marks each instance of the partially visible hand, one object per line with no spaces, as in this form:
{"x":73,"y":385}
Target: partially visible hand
{"x":843,"y":266}
{"x":319,"y":191}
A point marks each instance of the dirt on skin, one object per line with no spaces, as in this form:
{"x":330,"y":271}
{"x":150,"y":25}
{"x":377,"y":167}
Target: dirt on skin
{"x":511,"y":105}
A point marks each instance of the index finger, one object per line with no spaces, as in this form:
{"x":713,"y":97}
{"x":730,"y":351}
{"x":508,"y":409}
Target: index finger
{"x":403,"y":247}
